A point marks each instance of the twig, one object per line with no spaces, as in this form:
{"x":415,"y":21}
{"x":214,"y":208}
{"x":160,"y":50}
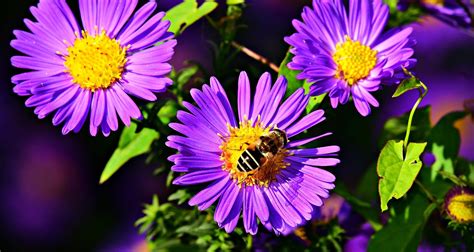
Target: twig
{"x":426,"y":191}
{"x":256,"y":56}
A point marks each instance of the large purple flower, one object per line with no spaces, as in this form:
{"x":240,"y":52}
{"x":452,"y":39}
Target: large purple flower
{"x":285,"y":188}
{"x":347,"y":54}
{"x":95,"y":68}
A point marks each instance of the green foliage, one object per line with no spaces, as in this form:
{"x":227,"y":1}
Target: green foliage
{"x":234,"y":2}
{"x":363,"y":208}
{"x":181,"y":196}
{"x":331,"y":240}
{"x":407,"y":85}
{"x":169,"y":228}
{"x":367,"y":186}
{"x":131,"y":144}
{"x":397,"y":171}
{"x":445,"y":141}
{"x":168,"y":111}
{"x":186,"y":13}
{"x":399,"y":18}
{"x":405,"y":225}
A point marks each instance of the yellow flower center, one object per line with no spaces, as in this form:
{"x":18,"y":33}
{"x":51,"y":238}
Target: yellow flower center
{"x":434,"y":2}
{"x":462,"y":207}
{"x":354,"y":61}
{"x":237,"y":142}
{"x":95,"y":61}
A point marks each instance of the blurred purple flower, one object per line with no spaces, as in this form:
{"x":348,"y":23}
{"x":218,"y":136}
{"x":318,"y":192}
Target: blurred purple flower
{"x":360,"y":241}
{"x":347,"y":54}
{"x":452,"y":12}
{"x":95,"y":68}
{"x":281,"y":192}
{"x":38,"y":206}
{"x":428,"y":158}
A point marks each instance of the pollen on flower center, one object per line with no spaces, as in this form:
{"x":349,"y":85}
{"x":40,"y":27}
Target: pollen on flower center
{"x":95,"y":61}
{"x":433,"y":2}
{"x":237,"y":142}
{"x":354,"y":61}
{"x":461,"y":207}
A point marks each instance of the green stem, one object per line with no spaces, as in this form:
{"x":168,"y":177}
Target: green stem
{"x":426,"y":191}
{"x":412,"y":112}
{"x":249,"y":242}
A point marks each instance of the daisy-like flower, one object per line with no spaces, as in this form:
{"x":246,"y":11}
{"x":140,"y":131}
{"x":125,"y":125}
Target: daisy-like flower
{"x":93,"y":69}
{"x":280,"y":186}
{"x":459,"y":204}
{"x":347,"y":54}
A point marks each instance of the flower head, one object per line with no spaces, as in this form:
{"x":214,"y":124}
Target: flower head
{"x":346,"y":54}
{"x":94,"y":68}
{"x":251,"y":164}
{"x":459,"y":204}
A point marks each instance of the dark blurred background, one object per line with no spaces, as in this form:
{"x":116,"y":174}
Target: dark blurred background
{"x":50,"y":198}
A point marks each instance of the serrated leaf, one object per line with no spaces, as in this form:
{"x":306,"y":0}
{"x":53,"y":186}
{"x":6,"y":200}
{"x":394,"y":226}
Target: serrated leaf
{"x":131,"y":144}
{"x":186,"y":13}
{"x":407,"y":85}
{"x":396,"y":172}
{"x":445,"y":141}
{"x":290,"y":75}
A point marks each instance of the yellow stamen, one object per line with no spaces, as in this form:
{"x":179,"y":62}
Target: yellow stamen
{"x":95,"y":61}
{"x":354,"y":61}
{"x":462,"y":207}
{"x":433,"y":2}
{"x":237,"y":142}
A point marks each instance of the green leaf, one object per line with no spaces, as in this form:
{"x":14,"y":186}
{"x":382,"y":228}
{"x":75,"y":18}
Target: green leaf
{"x":181,"y":196}
{"x":314,"y":101}
{"x":397,"y":173}
{"x":234,"y":2}
{"x":445,"y":141}
{"x":367,"y":186}
{"x":407,"y":85}
{"x":405,"y":226}
{"x":290,"y":75}
{"x":399,"y":18}
{"x":185,"y":75}
{"x":168,"y":111}
{"x":186,"y":13}
{"x":396,"y":127}
{"x":131,"y":144}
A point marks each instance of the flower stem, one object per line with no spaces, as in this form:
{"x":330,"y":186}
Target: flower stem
{"x":426,"y":191}
{"x":256,"y":56}
{"x":412,"y":112}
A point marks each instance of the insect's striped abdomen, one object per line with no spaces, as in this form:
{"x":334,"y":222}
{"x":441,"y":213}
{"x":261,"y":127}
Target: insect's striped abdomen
{"x":249,"y":160}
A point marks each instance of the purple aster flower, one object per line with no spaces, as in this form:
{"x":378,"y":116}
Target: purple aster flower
{"x":245,"y":169}
{"x":346,"y":54}
{"x":94,"y":69}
